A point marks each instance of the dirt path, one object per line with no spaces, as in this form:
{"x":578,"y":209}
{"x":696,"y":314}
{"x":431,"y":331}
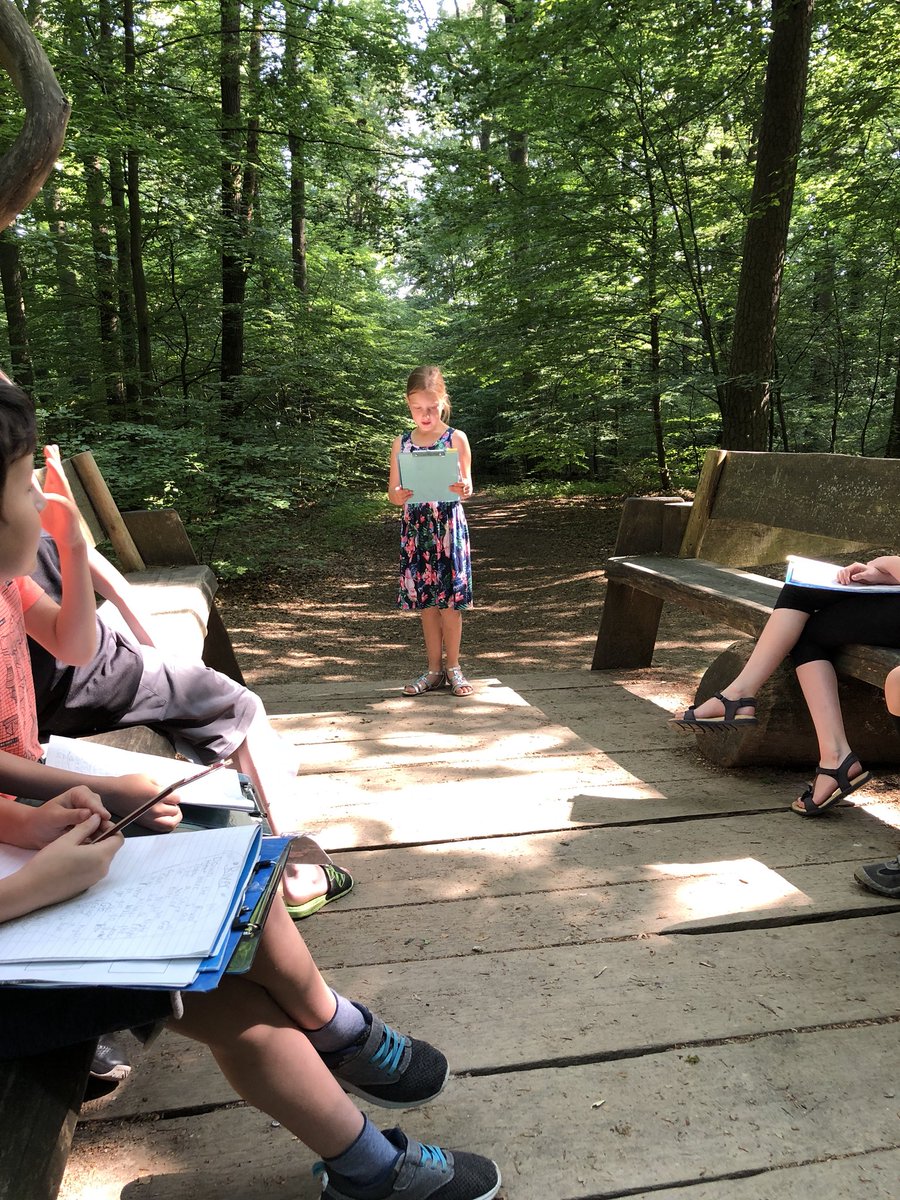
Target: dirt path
{"x":538,"y":577}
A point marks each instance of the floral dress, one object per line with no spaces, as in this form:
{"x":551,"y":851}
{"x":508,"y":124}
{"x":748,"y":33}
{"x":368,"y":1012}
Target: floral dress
{"x":435,"y":558}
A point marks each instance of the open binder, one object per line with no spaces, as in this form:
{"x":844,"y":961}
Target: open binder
{"x":174,"y":912}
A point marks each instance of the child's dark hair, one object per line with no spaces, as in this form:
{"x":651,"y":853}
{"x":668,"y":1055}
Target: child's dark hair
{"x":430,"y":379}
{"x":18,"y":427}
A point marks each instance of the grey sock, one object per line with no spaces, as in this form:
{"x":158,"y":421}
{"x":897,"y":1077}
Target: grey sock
{"x":345,"y":1027}
{"x":368,"y":1161}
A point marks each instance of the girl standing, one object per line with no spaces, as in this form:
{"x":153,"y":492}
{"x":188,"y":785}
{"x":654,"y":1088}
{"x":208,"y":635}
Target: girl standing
{"x":435,"y":559}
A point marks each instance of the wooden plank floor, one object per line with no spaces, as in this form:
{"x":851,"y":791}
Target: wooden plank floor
{"x":649,"y":976}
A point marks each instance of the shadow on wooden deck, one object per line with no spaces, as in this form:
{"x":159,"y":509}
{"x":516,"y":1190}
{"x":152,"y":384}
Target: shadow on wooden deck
{"x":649,"y":976}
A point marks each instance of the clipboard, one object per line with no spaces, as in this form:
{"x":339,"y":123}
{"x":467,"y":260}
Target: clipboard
{"x":428,"y":475}
{"x":239,"y":950}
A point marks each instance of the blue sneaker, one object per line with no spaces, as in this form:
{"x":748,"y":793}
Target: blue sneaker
{"x":421,"y":1173}
{"x":389,"y":1068}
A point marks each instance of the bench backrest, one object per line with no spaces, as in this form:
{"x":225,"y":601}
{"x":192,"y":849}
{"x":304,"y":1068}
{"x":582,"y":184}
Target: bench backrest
{"x":752,"y":509}
{"x":101,"y":520}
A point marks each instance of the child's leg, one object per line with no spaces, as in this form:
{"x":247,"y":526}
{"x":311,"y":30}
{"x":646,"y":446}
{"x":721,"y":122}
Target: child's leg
{"x":779,"y":636}
{"x":432,"y":632}
{"x":271,"y":1063}
{"x":451,"y":633}
{"x":451,"y":626}
{"x":892,"y":692}
{"x":266,"y":759}
{"x":820,"y":691}
{"x":283,"y":1038}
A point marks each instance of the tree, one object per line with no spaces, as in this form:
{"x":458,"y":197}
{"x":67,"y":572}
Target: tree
{"x":746,"y":398}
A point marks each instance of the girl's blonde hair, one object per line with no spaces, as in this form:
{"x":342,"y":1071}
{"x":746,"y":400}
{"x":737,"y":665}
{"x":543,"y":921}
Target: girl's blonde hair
{"x":430,"y":379}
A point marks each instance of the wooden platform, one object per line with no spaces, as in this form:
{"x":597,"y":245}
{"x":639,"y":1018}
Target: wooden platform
{"x":649,"y":976}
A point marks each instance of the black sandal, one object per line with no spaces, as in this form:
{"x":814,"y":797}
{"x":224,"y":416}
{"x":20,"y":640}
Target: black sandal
{"x":845,"y":787}
{"x":730,"y":719}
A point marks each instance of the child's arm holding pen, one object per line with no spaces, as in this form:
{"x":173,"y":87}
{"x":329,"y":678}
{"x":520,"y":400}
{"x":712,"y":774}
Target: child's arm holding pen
{"x":119,"y":793}
{"x":60,"y":870}
{"x":167,"y":791}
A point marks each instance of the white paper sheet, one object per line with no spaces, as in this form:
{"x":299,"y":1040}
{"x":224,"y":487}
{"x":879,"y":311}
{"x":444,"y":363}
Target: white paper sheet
{"x":222,"y":789}
{"x":165,"y":897}
{"x":810,"y":572}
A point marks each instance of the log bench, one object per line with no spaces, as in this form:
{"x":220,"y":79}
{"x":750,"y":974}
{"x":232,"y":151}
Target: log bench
{"x":751,"y":510}
{"x":41,"y":1095}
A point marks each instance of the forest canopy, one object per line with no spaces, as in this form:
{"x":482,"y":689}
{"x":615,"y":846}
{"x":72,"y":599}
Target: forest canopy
{"x":266,"y":213}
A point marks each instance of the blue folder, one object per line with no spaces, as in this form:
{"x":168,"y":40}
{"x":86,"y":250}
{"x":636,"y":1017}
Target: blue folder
{"x":255,"y":890}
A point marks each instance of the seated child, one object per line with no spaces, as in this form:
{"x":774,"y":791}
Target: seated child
{"x":284,"y":1040}
{"x":129,"y":682}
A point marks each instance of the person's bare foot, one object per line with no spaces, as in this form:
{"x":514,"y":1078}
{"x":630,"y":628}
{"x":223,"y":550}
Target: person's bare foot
{"x":302,"y":882}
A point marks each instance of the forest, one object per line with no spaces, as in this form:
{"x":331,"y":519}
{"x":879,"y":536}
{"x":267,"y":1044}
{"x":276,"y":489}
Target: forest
{"x":265,"y":214}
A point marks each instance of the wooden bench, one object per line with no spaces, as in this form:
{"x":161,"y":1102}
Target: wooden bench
{"x":154,"y":552}
{"x":752,"y":510}
{"x":40,"y":1096}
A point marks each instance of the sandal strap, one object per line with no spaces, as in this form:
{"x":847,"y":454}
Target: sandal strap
{"x":841,"y":773}
{"x":427,"y":681}
{"x":731,"y":706}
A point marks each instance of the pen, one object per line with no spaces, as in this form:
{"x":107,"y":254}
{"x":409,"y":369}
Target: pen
{"x":148,"y":804}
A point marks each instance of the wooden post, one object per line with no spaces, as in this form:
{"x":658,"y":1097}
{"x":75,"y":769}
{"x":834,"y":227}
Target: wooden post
{"x":107,"y":512}
{"x":705,"y":495}
{"x":630,"y":619}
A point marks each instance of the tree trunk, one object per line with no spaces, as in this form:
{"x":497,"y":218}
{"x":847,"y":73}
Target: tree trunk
{"x":654,"y":301}
{"x":135,"y":220}
{"x":234,"y":271}
{"x":746,"y":396}
{"x":123,"y":279}
{"x":14,"y":303}
{"x":105,"y":280}
{"x":296,"y":149}
{"x":30,"y":159}
{"x":892,"y":449}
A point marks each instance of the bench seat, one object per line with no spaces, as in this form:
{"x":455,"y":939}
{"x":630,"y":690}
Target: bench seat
{"x":736,"y":599}
{"x":180,"y":599}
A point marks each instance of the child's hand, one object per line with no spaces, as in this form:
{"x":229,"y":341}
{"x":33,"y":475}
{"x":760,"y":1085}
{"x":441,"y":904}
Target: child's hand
{"x":69,"y":865}
{"x":864,"y":573}
{"x":49,"y":821}
{"x":463,"y":489}
{"x":54,"y":476}
{"x":400,"y":495}
{"x":124,"y":793}
{"x":60,"y":516}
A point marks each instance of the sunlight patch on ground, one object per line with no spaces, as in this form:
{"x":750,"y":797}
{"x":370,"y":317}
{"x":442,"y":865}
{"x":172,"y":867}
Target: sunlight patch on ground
{"x":885,"y":811}
{"x":739,"y":885}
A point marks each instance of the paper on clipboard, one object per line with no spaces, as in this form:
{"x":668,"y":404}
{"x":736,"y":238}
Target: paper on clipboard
{"x":222,"y":789}
{"x":810,"y":572}
{"x":428,"y":475}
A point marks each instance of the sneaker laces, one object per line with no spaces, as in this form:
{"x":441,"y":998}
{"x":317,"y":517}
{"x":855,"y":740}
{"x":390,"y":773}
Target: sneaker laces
{"x":433,"y":1156}
{"x":390,"y":1051}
